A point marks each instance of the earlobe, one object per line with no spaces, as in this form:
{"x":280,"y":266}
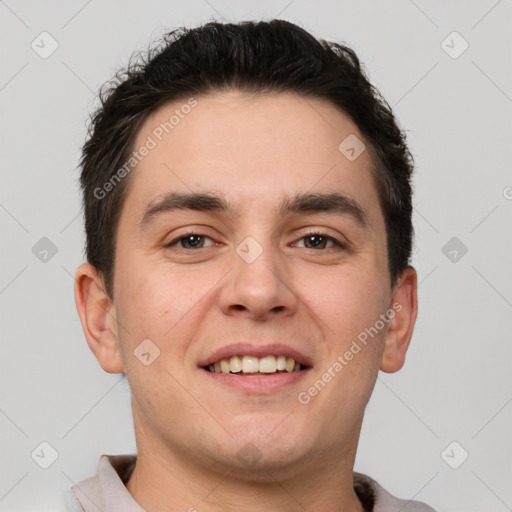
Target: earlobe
{"x":98,"y":317}
{"x":404,"y":303}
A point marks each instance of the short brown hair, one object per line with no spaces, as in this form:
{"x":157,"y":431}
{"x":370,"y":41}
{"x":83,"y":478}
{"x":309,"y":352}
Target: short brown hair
{"x":253,"y":56}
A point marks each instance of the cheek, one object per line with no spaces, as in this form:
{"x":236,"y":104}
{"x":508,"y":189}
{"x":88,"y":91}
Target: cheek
{"x":346,"y":300}
{"x":161,"y":305}
{"x":142,"y":307}
{"x":144,"y":312}
{"x":153,"y":299}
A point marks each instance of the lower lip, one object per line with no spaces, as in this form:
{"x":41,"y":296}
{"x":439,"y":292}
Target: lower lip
{"x":261,"y":384}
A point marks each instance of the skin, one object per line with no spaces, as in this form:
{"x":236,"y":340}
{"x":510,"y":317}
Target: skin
{"x":254,"y":150}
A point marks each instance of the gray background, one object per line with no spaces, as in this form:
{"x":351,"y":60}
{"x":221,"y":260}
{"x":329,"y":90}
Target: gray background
{"x":456,"y":384}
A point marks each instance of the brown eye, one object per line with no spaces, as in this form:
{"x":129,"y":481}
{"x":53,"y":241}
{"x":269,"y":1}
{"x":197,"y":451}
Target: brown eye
{"x":189,"y":241}
{"x":314,"y":241}
{"x":318,"y":240}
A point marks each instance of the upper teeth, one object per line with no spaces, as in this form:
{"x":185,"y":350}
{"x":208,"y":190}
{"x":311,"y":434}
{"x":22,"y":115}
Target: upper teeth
{"x":251,"y":364}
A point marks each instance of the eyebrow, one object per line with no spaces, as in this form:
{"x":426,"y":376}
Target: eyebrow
{"x":299,"y":203}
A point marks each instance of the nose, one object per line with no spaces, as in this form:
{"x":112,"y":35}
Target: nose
{"x":258,"y":287}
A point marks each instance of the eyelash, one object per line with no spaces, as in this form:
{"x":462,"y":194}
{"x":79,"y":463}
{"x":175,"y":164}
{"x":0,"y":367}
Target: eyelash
{"x":305,"y":235}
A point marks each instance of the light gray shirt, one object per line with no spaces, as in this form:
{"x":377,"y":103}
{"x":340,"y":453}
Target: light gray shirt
{"x":106,"y":491}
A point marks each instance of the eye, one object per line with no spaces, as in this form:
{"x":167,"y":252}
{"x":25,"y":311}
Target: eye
{"x":313,"y":240}
{"x":318,"y":239}
{"x":194,"y":240}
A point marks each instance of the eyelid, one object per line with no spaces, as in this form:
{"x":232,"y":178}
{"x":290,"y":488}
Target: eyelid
{"x":188,"y":232}
{"x":310,"y":232}
{"x":324,"y":234}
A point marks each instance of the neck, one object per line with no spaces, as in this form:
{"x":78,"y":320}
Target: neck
{"x":166,"y":477}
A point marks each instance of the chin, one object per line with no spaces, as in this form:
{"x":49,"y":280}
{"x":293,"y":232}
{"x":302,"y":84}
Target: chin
{"x":252,"y":463}
{"x":263,"y":446}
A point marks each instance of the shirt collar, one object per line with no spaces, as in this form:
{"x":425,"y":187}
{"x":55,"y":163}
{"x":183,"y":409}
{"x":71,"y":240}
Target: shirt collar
{"x":106,"y":491}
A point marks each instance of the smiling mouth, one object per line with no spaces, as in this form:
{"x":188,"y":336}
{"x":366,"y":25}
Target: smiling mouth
{"x":250,"y":366}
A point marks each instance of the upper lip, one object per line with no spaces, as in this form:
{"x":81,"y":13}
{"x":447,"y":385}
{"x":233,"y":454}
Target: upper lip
{"x":247,"y":349}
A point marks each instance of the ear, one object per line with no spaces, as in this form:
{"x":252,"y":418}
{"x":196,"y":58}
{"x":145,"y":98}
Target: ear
{"x":98,"y":317}
{"x":404,"y":303}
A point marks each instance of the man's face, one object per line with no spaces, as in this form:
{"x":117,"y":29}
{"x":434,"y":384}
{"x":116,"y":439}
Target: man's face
{"x":253,"y":281}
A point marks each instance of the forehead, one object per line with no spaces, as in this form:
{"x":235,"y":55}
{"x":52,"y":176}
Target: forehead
{"x":235,"y":125}
{"x":255,"y":149}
